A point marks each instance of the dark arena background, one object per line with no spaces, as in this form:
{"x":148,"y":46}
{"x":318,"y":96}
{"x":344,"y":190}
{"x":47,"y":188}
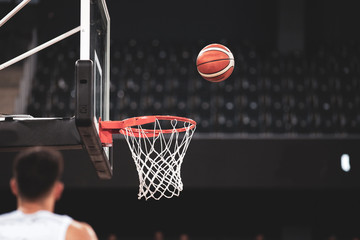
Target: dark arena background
{"x":266,"y":157}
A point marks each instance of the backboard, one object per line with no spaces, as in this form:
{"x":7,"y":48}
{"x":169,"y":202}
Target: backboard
{"x":93,"y":82}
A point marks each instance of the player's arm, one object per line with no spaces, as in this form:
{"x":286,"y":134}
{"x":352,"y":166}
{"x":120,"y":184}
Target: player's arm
{"x":80,"y":230}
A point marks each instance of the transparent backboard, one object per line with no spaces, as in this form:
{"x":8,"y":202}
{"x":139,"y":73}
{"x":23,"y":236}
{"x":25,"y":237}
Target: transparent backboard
{"x":95,"y":46}
{"x":93,"y":82}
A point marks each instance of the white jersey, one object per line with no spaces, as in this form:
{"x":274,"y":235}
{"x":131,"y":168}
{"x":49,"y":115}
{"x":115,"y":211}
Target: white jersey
{"x":41,"y":225}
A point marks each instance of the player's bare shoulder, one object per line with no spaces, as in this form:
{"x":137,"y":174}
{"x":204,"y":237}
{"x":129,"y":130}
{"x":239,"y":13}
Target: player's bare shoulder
{"x":80,"y":230}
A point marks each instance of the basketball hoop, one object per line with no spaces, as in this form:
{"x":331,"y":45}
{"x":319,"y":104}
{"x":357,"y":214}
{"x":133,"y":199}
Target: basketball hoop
{"x":158,"y":145}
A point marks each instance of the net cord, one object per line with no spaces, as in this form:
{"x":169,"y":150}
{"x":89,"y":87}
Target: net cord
{"x":159,"y":176}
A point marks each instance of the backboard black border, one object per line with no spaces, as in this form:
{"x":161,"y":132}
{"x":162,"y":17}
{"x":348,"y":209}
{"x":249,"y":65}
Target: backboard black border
{"x":85,"y":122}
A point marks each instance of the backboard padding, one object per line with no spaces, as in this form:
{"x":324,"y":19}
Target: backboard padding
{"x":86,"y":122}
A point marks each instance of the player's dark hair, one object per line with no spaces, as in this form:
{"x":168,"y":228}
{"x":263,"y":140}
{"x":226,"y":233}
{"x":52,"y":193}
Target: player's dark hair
{"x":36,"y":170}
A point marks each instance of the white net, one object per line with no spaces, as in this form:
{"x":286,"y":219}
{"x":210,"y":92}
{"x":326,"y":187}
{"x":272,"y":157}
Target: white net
{"x":158,"y":158}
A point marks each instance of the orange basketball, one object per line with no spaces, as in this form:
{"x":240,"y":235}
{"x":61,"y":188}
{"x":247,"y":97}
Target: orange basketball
{"x":215,"y":62}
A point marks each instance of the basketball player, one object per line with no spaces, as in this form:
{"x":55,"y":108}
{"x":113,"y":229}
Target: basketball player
{"x":36,"y":185}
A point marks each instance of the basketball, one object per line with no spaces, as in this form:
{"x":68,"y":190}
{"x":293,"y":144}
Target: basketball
{"x":215,"y":62}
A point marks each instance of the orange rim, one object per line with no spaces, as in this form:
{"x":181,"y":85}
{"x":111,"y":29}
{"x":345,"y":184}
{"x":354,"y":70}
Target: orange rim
{"x":141,"y":133}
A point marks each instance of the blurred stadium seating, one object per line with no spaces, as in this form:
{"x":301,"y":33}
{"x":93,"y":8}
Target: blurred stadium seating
{"x":268,"y":92}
